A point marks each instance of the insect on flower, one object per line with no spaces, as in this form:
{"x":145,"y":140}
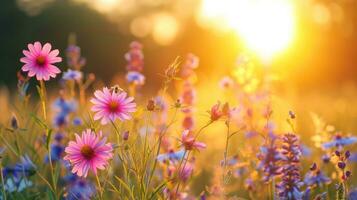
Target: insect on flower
{"x":112,"y":105}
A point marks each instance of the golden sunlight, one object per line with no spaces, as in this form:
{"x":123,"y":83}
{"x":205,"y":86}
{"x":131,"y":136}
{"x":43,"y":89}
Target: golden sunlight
{"x":266,"y":26}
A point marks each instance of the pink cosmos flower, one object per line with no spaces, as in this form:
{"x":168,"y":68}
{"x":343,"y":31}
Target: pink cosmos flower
{"x":189,"y":141}
{"x":88,"y":152}
{"x":186,"y":172}
{"x":216,"y":112}
{"x":110,"y":105}
{"x":39,"y":61}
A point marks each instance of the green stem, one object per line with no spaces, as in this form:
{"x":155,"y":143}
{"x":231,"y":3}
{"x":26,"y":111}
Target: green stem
{"x":202,"y":128}
{"x":180,"y":170}
{"x":273,"y":188}
{"x":159,"y":147}
{"x":226,"y":154}
{"x":2,"y":183}
{"x":43,"y":98}
{"x":99,"y":187}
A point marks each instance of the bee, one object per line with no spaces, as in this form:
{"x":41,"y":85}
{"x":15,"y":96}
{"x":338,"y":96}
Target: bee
{"x":116,"y":89}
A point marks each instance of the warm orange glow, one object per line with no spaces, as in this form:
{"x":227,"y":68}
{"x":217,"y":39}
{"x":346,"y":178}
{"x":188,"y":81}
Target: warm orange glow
{"x":266,"y":26}
{"x":165,"y":28}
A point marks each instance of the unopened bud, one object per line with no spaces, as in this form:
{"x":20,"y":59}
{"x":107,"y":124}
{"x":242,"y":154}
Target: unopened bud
{"x":126,"y":135}
{"x":151,"y":105}
{"x":14,"y":122}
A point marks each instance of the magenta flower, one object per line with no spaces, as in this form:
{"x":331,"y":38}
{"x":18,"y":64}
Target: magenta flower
{"x":39,"y":61}
{"x":88,"y":152}
{"x":110,"y":105}
{"x":216,"y":112}
{"x":189,"y":141}
{"x":186,"y":172}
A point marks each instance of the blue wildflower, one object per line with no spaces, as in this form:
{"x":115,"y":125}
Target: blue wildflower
{"x":353,"y":194}
{"x":172,"y":156}
{"x":72,"y":75}
{"x":26,"y":167}
{"x":64,"y":108}
{"x":305,"y":151}
{"x":59,"y":137}
{"x":79,"y":189}
{"x":77,"y":121}
{"x":339,"y":141}
{"x":136,"y":78}
{"x":16,"y":184}
{"x":315,"y":177}
{"x":57,"y":151}
{"x":17,"y":176}
{"x":231,"y":161}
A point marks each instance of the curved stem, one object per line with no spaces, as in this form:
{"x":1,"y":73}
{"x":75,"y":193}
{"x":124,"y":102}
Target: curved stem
{"x":99,"y":187}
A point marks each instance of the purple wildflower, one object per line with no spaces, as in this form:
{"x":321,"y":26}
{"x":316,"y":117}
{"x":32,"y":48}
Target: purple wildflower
{"x":289,"y":187}
{"x":135,"y":57}
{"x":74,"y":59}
{"x":269,"y":157}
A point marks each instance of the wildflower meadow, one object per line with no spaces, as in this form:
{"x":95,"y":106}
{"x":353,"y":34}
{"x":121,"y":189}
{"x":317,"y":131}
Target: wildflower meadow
{"x":70,"y":143}
{"x":66,"y":133}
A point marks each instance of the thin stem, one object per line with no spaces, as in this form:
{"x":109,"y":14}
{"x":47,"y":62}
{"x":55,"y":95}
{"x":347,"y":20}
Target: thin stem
{"x":273,"y":188}
{"x":159,"y":146}
{"x":202,"y":128}
{"x":132,"y":90}
{"x":43,"y":98}
{"x":180,"y":170}
{"x":2,"y":183}
{"x":226,"y":153}
{"x":99,"y":187}
{"x":45,"y":180}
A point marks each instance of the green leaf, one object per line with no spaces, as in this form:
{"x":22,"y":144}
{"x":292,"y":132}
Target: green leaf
{"x":39,"y":121}
{"x":48,"y":139}
{"x":50,"y":195}
{"x":127,"y":188}
{"x":157,"y":189}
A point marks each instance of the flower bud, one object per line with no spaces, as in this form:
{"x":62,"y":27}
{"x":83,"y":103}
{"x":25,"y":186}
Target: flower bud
{"x":151,"y":105}
{"x":14,"y":122}
{"x":337,"y":153}
{"x":126,"y":135}
{"x":341,"y":165}
{"x":292,"y":114}
{"x":347,"y":154}
{"x":348,"y":174}
{"x":313,"y":167}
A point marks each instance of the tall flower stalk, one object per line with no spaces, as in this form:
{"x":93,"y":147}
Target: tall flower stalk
{"x":289,"y":187}
{"x":135,"y":66}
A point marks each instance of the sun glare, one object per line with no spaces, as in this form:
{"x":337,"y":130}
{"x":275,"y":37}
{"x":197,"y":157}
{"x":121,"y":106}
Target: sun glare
{"x":266,"y":26}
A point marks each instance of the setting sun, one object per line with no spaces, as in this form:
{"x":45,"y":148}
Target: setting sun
{"x":266,"y":26}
